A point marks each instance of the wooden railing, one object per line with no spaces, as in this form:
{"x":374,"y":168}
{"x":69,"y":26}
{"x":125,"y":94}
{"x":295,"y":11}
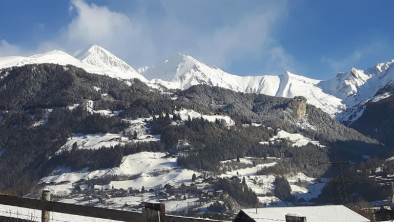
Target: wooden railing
{"x":153,"y":212}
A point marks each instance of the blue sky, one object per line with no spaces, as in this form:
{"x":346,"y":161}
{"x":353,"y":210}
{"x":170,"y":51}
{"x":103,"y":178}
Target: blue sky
{"x":314,"y":38}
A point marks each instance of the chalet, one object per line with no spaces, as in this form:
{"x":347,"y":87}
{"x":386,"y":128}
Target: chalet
{"x":328,"y":213}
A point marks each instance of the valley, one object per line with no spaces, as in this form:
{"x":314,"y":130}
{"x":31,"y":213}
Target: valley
{"x":200,"y":140}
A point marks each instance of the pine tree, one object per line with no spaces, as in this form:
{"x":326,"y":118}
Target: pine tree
{"x":75,"y":146}
{"x":135,"y":135}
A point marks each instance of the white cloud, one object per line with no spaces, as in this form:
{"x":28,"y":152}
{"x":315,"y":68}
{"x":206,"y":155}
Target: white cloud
{"x":340,"y":65}
{"x":240,"y":35}
{"x":249,"y":37}
{"x":112,"y":30}
{"x":281,"y":59}
{"x":141,"y":40}
{"x":7,"y":49}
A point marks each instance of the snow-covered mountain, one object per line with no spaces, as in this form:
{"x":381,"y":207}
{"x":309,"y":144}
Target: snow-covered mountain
{"x":93,"y":59}
{"x":344,"y":96}
{"x":183,"y":71}
{"x":356,"y":87}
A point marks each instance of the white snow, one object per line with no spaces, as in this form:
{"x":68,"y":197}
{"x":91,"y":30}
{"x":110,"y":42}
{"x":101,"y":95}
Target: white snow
{"x":248,"y":171}
{"x":185,"y":113}
{"x":380,"y":97}
{"x":296,"y":138}
{"x":358,"y":86}
{"x":108,"y":112}
{"x":73,"y":106}
{"x":153,"y":168}
{"x":328,"y":213}
{"x":93,"y":141}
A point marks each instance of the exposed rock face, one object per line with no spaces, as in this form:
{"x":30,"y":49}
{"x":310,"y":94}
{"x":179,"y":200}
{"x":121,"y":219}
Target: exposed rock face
{"x":297,"y":107}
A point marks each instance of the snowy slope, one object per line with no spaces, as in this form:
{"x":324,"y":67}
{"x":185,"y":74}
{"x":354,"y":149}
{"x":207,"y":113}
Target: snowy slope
{"x":62,"y":58}
{"x":356,"y":87}
{"x":296,"y":138}
{"x":181,"y":72}
{"x":154,"y":170}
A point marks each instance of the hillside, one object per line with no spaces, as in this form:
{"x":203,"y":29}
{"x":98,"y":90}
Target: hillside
{"x":62,"y":103}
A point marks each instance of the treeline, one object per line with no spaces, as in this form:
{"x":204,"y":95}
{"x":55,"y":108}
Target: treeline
{"x":212,"y":142}
{"x":105,"y":157}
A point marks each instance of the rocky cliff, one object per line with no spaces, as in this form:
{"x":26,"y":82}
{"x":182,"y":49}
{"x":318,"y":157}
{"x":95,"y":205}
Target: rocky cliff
{"x":297,"y":107}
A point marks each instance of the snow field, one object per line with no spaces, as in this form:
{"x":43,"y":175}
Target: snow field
{"x":93,"y":141}
{"x":155,"y":170}
{"x":185,"y":113}
{"x":297,"y":139}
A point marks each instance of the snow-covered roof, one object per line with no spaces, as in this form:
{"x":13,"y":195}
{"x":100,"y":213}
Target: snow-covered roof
{"x":328,"y":213}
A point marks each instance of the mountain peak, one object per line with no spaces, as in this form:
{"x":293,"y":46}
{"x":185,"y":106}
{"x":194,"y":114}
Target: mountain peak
{"x":100,"y":57}
{"x":172,"y":69}
{"x":88,"y":51}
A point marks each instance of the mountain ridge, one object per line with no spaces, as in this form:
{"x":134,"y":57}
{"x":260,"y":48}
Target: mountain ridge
{"x":343,"y":96}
